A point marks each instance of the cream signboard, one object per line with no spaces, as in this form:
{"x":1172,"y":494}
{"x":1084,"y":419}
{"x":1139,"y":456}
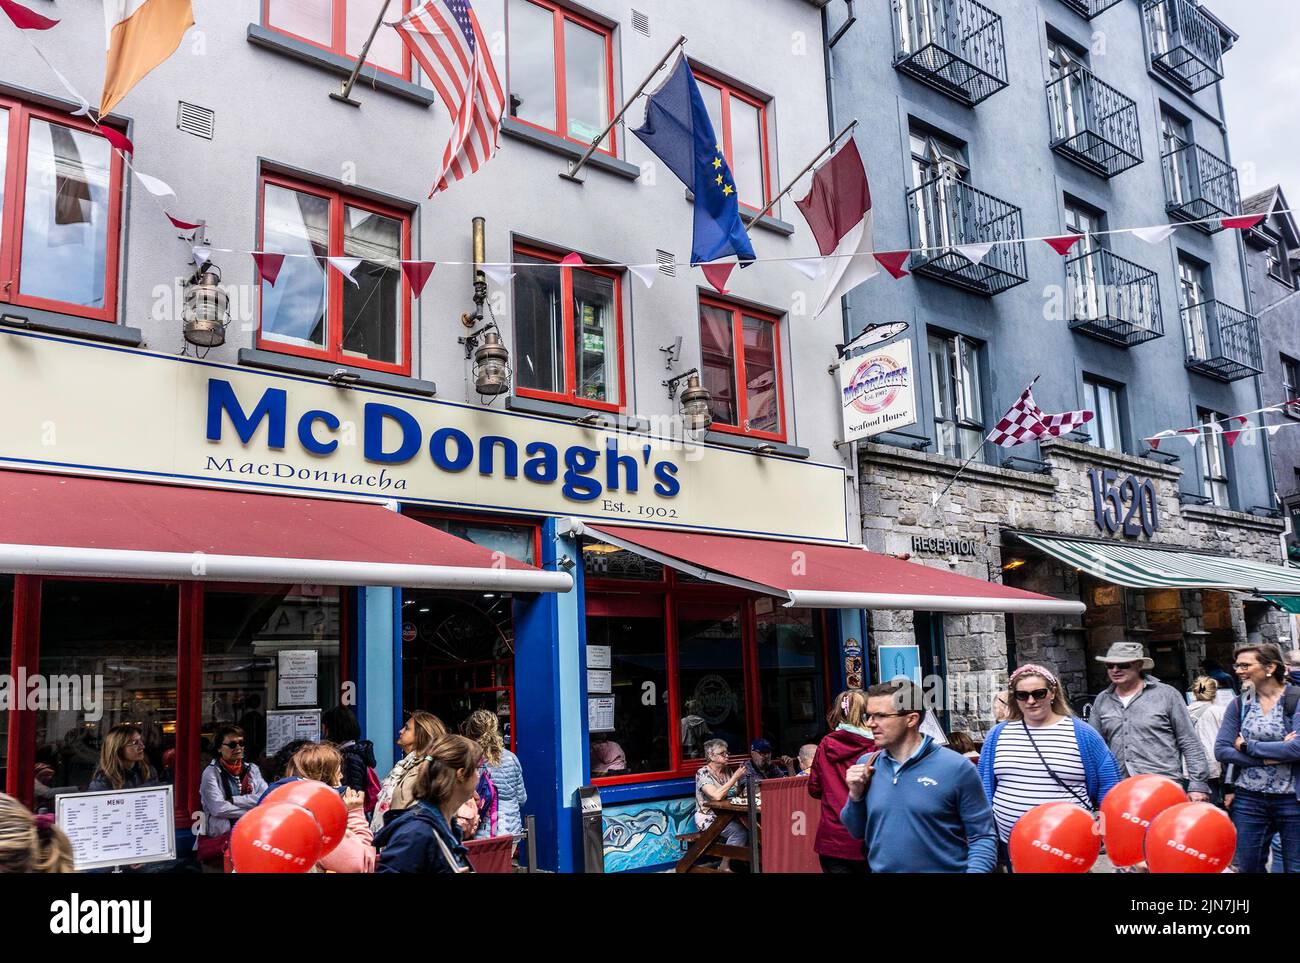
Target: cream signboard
{"x":94,"y":409}
{"x":876,"y":391}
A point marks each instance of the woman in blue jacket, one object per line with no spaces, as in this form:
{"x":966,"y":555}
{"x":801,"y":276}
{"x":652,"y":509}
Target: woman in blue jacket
{"x":425,"y":837}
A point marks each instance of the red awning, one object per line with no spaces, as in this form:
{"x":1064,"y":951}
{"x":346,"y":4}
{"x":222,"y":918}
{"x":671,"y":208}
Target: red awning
{"x":826,"y":576}
{"x":69,"y":525}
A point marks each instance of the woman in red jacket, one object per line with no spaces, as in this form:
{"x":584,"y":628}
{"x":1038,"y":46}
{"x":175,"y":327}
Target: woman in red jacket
{"x":848,"y":739}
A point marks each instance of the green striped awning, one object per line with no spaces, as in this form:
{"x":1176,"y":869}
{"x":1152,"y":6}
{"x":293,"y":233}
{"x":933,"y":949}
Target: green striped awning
{"x":1136,"y":567}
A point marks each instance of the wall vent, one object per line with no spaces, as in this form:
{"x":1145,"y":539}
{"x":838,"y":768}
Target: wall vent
{"x":195,"y":120}
{"x":667,"y":263}
{"x":640,"y":23}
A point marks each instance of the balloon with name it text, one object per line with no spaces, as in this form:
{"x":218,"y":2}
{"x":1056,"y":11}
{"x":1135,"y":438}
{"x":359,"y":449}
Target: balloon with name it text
{"x":321,"y":801}
{"x":280,"y":838}
{"x":1191,"y":838}
{"x":1057,"y":837}
{"x":1127,"y":812}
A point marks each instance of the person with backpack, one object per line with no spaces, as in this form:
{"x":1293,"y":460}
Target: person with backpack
{"x":1258,"y":737}
{"x":505,"y":773}
{"x":425,"y":838}
{"x":230,"y":787}
{"x":849,"y":738}
{"x":1041,"y":754}
{"x":339,"y":726}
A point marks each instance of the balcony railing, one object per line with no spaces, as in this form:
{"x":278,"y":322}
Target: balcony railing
{"x":1114,"y":299}
{"x":1089,"y":8}
{"x":948,"y":214}
{"x":955,"y":46}
{"x":1222,"y":342}
{"x":1200,"y":186}
{"x":1093,"y":124}
{"x":1186,"y":45}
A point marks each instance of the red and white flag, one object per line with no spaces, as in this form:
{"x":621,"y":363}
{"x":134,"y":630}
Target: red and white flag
{"x":447,"y":42}
{"x":1025,"y":421}
{"x":838,"y":209}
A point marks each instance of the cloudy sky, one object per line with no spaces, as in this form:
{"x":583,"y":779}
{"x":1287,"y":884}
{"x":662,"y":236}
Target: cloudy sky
{"x":1261,"y":91}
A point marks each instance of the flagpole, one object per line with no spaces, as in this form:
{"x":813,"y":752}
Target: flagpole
{"x":572,"y":173}
{"x":811,"y":164}
{"x":345,"y":95}
{"x":964,"y":465}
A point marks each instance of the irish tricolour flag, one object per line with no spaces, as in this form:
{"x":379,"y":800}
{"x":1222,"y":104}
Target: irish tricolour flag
{"x":141,"y":35}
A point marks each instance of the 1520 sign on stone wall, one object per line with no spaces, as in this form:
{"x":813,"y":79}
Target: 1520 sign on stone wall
{"x":1132,"y":506}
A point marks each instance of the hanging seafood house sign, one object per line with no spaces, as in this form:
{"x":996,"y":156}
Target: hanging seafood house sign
{"x":877,"y":391}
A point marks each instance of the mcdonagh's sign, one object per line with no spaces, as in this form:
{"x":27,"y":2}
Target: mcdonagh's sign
{"x":876,"y":391}
{"x":96,"y":409}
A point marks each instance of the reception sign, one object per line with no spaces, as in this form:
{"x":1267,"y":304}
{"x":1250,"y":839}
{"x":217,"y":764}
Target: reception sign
{"x":97,"y":409}
{"x":877,"y":391}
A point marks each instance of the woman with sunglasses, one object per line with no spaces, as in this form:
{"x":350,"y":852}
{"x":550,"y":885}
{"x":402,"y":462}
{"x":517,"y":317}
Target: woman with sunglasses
{"x":229,"y":788}
{"x":122,"y":762}
{"x":1041,"y":754}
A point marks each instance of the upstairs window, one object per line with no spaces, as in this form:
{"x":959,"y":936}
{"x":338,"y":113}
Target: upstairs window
{"x":740,"y":122}
{"x":313,"y":310}
{"x":1214,"y":466}
{"x":559,"y":72}
{"x":1102,"y":399}
{"x":741,"y":366}
{"x":1291,"y":385}
{"x":60,"y":212}
{"x":955,"y":387}
{"x":342,"y":26}
{"x":1279,"y":261}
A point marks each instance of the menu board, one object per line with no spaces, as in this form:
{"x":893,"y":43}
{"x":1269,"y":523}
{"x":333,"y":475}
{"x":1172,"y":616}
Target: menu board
{"x":118,"y":827}
{"x":283,"y":728}
{"x":600,"y":715}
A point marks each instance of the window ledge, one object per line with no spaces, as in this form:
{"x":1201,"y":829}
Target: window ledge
{"x":292,"y":364}
{"x":767,"y":221}
{"x":277,"y":42}
{"x":558,"y":145}
{"x":557,"y":409}
{"x":36,"y":320}
{"x":1215,"y":514}
{"x":725,"y":439}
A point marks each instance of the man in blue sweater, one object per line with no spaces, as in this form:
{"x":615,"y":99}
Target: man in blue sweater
{"x":925,"y":811}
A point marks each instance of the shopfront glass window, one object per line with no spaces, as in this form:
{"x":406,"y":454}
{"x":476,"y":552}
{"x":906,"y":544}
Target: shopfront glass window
{"x":65,"y":216}
{"x":293,"y":309}
{"x":108,"y":651}
{"x":260,"y":647}
{"x":790,"y":676}
{"x":711,"y":678}
{"x":6,"y":652}
{"x":372,"y":308}
{"x":609,"y":561}
{"x":513,"y":541}
{"x":630,"y":723}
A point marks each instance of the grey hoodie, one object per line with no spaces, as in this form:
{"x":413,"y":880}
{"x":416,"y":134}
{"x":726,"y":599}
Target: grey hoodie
{"x":1154,"y":734}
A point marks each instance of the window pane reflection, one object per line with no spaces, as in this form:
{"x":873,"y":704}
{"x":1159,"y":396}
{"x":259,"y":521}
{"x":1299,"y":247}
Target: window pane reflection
{"x":532,"y":64}
{"x":717,"y":358}
{"x":638,"y":740}
{"x":711,"y":678}
{"x":791,"y":686}
{"x":372,"y":308}
{"x":309,"y":19}
{"x":293,"y":310}
{"x":386,"y":51}
{"x":586,"y":81}
{"x":539,"y":326}
{"x":760,"y":375}
{"x":747,"y":152}
{"x":595,"y":337}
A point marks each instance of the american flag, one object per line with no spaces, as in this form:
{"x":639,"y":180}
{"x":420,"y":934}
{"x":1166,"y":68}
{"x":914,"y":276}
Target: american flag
{"x":1025,"y":421}
{"x":447,"y":42}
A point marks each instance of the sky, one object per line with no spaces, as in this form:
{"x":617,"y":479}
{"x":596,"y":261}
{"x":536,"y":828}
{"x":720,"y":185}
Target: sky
{"x":1261,"y":92}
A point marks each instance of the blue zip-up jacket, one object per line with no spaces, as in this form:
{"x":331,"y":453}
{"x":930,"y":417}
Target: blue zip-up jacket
{"x":406,"y":844}
{"x":1225,"y":749}
{"x":930,"y":817}
{"x":1100,"y":768}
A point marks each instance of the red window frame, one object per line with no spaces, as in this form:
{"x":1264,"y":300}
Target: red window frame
{"x":333,"y":350}
{"x":339,"y":36}
{"x":738,"y":314}
{"x":15,"y":198}
{"x":670,"y":593}
{"x":729,"y":91}
{"x":559,"y":16}
{"x":570,"y":394}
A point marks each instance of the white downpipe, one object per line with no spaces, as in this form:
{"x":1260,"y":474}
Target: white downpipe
{"x":881,"y":601}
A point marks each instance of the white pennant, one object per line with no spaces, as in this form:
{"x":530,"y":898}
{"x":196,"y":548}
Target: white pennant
{"x":345,"y":266}
{"x":1273,"y":429}
{"x":976,"y":252}
{"x":812,"y":267}
{"x":1155,"y":235}
{"x":645,"y":273}
{"x":1192,"y":437}
{"x":153,"y":185}
{"x":84,"y":109}
{"x":202,"y":254}
{"x":500,"y":273}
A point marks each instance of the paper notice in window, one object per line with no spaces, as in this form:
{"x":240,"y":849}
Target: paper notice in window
{"x":600,"y":680}
{"x":598,"y":656}
{"x":600,"y":714}
{"x":297,"y":691}
{"x":283,"y":728}
{"x":298,"y":662}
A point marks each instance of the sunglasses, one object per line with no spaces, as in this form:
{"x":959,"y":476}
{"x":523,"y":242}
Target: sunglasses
{"x":1038,"y":695}
{"x":236,"y":744}
{"x":1122,"y":666}
{"x":135,"y":744}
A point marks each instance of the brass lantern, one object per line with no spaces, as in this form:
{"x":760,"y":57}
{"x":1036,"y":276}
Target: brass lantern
{"x":206,"y":310}
{"x":491,"y":365}
{"x":696,"y":401}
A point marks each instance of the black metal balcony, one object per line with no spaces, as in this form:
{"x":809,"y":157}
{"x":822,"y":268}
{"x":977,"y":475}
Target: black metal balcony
{"x":1090,"y":8}
{"x":1222,"y":342}
{"x":1186,"y":45}
{"x":1114,"y":299}
{"x":948,"y":214}
{"x":1093,"y":124}
{"x":1200,"y":187}
{"x":955,"y":46}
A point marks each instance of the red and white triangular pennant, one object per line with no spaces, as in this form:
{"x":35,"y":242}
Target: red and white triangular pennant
{"x":417,"y":275}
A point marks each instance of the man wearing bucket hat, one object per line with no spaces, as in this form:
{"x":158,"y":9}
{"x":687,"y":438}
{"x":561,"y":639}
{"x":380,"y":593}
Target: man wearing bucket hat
{"x":1146,"y":723}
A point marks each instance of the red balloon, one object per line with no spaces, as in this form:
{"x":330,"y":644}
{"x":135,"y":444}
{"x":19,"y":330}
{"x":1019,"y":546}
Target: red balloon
{"x":1191,"y":838}
{"x":280,"y":838}
{"x":1057,"y":837}
{"x":322,"y":802}
{"x":1127,"y":812}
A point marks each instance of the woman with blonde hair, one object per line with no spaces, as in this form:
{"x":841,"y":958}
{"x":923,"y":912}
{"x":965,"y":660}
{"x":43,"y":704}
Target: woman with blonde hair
{"x":397,"y":792}
{"x":1042,"y":754}
{"x":504,"y":815}
{"x":29,"y":846}
{"x":1207,"y":716}
{"x":847,"y":741}
{"x":425,"y":838}
{"x":122,"y":763}
{"x":355,"y":853}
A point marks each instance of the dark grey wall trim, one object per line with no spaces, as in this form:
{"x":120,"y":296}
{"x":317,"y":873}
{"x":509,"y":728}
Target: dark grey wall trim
{"x":726,"y":440}
{"x":558,"y":145}
{"x":291,"y":364}
{"x":555,"y":409}
{"x":70,"y":324}
{"x":340,"y":66}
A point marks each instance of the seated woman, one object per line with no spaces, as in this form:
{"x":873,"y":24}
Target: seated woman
{"x":712,"y":784}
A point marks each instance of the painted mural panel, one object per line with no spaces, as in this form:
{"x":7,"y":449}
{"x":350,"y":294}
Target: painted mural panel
{"x":644,"y":834}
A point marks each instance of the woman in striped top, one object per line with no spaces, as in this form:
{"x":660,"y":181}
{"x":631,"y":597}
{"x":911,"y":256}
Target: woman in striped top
{"x":1042,"y":754}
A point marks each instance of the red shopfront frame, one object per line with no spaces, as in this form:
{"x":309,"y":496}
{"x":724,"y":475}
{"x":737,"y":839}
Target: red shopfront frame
{"x":26,"y":654}
{"x":738,"y":314}
{"x":728,"y":92}
{"x":616,"y":596}
{"x":339,"y":35}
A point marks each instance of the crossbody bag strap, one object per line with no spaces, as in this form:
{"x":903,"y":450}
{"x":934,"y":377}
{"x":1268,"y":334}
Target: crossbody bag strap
{"x":452,"y":862}
{"x":1085,"y":802}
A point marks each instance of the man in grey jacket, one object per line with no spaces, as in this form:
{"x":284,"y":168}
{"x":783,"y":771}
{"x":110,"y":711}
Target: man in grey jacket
{"x":1146,"y":723}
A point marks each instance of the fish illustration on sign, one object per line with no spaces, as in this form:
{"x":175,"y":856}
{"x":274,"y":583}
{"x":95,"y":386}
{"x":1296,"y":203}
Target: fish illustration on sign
{"x":872,"y":334}
{"x":625,"y":831}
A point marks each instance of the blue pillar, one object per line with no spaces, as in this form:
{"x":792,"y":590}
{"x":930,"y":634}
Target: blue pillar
{"x":377,"y":670}
{"x":550,"y":686}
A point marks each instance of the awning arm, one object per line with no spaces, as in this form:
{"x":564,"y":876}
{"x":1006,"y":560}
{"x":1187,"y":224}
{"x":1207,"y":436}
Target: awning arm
{"x":884,"y":601}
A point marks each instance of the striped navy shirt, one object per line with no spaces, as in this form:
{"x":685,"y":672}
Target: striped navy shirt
{"x":1022,"y":781}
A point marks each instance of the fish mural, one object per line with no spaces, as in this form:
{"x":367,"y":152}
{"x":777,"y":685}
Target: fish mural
{"x":641,"y":835}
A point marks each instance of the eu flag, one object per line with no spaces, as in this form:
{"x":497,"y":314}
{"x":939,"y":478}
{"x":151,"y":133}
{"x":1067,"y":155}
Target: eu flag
{"x":678,"y":130}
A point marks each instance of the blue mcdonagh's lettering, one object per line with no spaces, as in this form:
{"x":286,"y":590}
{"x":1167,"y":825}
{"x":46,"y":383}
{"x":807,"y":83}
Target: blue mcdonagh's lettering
{"x":450,"y":449}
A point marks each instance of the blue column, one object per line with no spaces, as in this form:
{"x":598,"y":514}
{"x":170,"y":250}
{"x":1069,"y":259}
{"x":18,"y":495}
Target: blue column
{"x":377,"y":670}
{"x":550,"y":686}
